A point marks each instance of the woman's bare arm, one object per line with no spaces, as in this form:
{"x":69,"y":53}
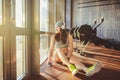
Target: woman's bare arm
{"x":70,"y":46}
{"x":52,"y":42}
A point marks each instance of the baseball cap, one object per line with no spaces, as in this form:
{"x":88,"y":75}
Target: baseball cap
{"x":60,"y":24}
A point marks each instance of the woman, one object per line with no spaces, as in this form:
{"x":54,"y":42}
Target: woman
{"x":61,"y":48}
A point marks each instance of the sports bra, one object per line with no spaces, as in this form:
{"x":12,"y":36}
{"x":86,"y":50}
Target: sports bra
{"x":60,"y":44}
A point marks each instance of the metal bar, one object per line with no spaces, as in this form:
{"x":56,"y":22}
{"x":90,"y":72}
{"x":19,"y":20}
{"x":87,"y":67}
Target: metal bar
{"x":99,"y":5}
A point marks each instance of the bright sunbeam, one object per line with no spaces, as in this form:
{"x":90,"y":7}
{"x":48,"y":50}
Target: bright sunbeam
{"x":0,"y":12}
{"x":43,"y":15}
{"x":20,"y":18}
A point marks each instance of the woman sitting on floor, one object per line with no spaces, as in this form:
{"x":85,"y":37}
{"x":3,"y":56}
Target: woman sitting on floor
{"x":61,"y":48}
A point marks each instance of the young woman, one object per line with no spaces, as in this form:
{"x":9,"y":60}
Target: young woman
{"x":61,"y":48}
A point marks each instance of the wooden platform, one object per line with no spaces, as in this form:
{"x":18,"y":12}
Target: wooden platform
{"x":110,"y":60}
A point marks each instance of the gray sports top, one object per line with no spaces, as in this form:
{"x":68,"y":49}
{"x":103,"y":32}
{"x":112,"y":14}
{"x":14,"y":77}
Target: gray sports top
{"x":61,"y":45}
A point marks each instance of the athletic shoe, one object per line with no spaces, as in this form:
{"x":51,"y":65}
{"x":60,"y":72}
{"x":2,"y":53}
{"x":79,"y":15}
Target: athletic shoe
{"x":93,"y":69}
{"x":73,"y":69}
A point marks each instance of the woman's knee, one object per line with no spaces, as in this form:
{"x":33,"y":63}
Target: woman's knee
{"x":55,"y":58}
{"x":74,"y":59}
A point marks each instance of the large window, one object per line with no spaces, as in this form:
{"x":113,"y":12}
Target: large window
{"x":0,"y":12}
{"x":1,"y":58}
{"x":20,"y":55}
{"x":44,"y":18}
{"x":20,"y":13}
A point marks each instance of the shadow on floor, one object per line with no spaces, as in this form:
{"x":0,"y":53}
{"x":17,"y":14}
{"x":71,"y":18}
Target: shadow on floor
{"x":104,"y":74}
{"x":36,"y":77}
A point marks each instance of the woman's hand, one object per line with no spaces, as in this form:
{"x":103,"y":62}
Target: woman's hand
{"x":49,"y":60}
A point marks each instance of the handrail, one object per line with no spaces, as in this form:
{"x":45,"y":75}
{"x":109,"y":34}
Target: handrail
{"x":43,"y":32}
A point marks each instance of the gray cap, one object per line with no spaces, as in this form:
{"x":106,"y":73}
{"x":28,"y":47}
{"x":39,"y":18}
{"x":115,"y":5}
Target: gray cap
{"x":60,"y":24}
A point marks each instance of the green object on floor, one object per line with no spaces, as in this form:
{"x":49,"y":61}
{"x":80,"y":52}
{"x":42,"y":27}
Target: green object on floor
{"x":73,"y":69}
{"x":91,"y":68}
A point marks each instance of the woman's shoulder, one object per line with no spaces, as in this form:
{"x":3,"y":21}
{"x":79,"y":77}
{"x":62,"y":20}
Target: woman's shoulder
{"x":53,"y":35}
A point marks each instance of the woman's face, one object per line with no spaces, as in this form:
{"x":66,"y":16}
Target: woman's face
{"x":57,"y":29}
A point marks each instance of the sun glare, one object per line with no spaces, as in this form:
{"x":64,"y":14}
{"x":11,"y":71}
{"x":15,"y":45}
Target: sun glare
{"x":20,"y":18}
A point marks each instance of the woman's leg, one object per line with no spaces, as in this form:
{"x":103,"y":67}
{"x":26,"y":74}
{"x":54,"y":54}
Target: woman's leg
{"x":77,"y":61}
{"x":90,"y":70}
{"x":64,"y":59}
{"x":55,"y":57}
{"x":62,"y":56}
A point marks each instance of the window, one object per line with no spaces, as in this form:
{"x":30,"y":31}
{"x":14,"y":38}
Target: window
{"x":1,"y":58}
{"x":0,"y":12}
{"x":21,"y":36}
{"x":43,"y":47}
{"x":13,"y":39}
{"x":44,"y":38}
{"x":20,"y":55}
{"x":44,"y":15}
{"x":20,"y":13}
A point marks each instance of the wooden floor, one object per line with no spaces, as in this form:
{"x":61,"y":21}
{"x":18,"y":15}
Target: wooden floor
{"x":110,"y":60}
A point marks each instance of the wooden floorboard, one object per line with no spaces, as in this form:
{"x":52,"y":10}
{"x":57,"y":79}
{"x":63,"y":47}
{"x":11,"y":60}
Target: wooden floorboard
{"x":104,"y":74}
{"x":37,"y":77}
{"x":110,"y":60}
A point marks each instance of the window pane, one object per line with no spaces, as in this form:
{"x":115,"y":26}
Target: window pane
{"x":44,"y":18}
{"x":1,"y":58}
{"x":44,"y":15}
{"x":44,"y":47}
{"x":20,"y":55}
{"x":20,"y":15}
{"x":0,"y":12}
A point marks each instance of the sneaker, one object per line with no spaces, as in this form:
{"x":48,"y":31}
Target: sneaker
{"x":93,"y":69}
{"x":73,"y":69}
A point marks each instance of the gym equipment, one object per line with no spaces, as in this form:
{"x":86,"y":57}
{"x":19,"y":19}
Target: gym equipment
{"x":88,"y":33}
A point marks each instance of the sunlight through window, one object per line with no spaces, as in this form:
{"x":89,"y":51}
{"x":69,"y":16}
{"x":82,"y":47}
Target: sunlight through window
{"x":20,"y":55}
{"x":44,"y":38}
{"x":43,"y":47}
{"x":0,"y":12}
{"x":20,"y":15}
{"x":1,"y":58}
{"x":44,"y":15}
